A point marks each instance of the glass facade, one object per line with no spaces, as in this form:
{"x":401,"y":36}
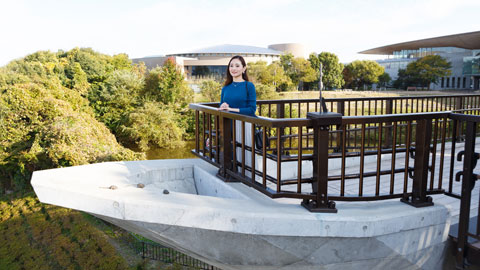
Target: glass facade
{"x":471,"y":65}
{"x":208,"y":70}
{"x":425,"y":51}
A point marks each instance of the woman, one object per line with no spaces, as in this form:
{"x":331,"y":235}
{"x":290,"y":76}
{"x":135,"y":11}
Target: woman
{"x":238,"y":94}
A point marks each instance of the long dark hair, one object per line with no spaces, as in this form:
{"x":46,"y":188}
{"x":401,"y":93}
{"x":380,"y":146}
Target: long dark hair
{"x":229,"y":79}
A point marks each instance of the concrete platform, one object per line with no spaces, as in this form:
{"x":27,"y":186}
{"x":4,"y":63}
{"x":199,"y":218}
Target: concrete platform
{"x":231,"y":226}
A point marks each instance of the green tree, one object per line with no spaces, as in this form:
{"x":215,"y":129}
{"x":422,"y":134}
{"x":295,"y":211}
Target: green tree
{"x":362,"y":73}
{"x":331,"y":69}
{"x":265,"y":92}
{"x":273,"y":74}
{"x":211,"y":90}
{"x":428,"y":69}
{"x":384,"y":79}
{"x":153,"y":125}
{"x":298,"y":69}
{"x":167,"y":85}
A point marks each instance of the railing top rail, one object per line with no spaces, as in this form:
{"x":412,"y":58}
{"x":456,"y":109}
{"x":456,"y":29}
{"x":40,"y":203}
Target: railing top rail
{"x":282,"y":101}
{"x":258,"y":120}
{"x":393,"y":117}
{"x":465,"y":117}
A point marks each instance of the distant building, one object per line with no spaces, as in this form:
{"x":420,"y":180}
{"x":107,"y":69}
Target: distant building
{"x":213,"y":61}
{"x":461,"y":50}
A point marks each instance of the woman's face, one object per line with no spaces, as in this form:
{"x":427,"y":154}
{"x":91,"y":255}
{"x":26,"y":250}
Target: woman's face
{"x":236,"y":69}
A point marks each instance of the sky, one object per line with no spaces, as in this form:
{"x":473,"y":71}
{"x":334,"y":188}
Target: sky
{"x":146,"y":27}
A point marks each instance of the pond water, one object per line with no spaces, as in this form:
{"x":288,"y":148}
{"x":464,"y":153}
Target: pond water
{"x":175,"y":153}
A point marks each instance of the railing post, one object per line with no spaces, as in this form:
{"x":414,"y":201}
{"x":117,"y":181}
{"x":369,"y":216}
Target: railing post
{"x":423,"y":135}
{"x":321,"y":126}
{"x":226,"y":147}
{"x":468,"y":182}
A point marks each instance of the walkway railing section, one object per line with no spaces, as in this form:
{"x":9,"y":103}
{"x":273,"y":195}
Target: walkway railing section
{"x":326,"y":157}
{"x":468,"y":235}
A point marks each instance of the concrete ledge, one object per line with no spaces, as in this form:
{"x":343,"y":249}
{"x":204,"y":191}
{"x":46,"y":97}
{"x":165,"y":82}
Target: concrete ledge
{"x":236,"y":227}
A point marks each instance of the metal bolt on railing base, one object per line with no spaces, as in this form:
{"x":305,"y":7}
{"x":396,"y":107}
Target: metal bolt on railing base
{"x":417,"y":202}
{"x":312,"y":206}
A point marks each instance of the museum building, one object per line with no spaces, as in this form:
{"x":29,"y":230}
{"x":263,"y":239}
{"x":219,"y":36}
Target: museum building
{"x":213,"y":61}
{"x":461,"y":50}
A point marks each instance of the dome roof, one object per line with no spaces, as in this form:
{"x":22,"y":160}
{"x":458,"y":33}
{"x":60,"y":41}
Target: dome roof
{"x":232,"y":49}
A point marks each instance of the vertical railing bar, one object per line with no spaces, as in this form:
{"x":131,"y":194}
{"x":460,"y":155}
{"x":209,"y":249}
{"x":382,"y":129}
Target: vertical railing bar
{"x":452,"y":155}
{"x":394,"y":152}
{"x":217,"y":138}
{"x":234,"y":145}
{"x":362,"y":162}
{"x":442,"y":153}
{"x":269,"y":110}
{"x":379,"y":159}
{"x":299,"y":167}
{"x":264,"y":157}
{"x":290,"y":128}
{"x":252,"y":141}
{"x":204,"y":131}
{"x":279,"y":161}
{"x":344,"y":150}
{"x":197,"y":131}
{"x":434,"y":153}
{"x":210,"y":150}
{"x":407,"y":155}
{"x":243,"y":149}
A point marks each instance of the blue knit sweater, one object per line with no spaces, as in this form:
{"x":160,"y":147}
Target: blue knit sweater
{"x":236,"y":96}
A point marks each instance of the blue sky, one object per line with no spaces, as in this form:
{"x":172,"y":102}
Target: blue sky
{"x":142,"y":28}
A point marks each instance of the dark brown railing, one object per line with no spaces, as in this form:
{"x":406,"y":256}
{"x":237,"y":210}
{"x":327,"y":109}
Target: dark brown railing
{"x":467,"y":236}
{"x":326,"y":157}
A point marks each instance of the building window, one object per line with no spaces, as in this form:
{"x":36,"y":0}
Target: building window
{"x":443,"y":82}
{"x":458,"y":82}
{"x":448,"y":83}
{"x":464,"y":82}
{"x":453,"y":82}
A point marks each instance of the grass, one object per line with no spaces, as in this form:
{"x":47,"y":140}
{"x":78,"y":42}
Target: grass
{"x":34,"y":235}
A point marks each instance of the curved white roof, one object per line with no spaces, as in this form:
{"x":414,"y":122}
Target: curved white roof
{"x":233,"y":49}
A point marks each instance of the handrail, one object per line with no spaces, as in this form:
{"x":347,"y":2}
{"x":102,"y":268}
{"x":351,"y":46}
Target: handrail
{"x":229,"y":141}
{"x":260,"y":120}
{"x":283,"y":101}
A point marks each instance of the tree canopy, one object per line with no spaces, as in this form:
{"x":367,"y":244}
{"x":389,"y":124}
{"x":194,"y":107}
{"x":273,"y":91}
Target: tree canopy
{"x":71,"y":108}
{"x":362,"y":73}
{"x":331,"y":69}
{"x":423,"y":72}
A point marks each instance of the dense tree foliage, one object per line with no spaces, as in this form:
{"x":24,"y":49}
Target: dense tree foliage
{"x":269,"y":75}
{"x":331,"y":69}
{"x":60,"y":109}
{"x":211,"y":90}
{"x":44,"y":237}
{"x":423,"y":72}
{"x":362,"y":73}
{"x":384,"y":79}
{"x":298,"y":69}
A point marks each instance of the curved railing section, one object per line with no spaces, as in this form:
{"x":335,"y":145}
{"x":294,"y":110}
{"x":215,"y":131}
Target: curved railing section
{"x":379,"y":152}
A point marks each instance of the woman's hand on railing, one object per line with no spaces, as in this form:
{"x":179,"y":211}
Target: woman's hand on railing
{"x":225,"y":107}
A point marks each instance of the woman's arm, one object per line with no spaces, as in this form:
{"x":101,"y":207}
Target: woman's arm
{"x":251,"y":107}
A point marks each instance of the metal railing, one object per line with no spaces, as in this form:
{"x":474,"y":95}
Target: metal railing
{"x":301,"y":146}
{"x":467,"y":240}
